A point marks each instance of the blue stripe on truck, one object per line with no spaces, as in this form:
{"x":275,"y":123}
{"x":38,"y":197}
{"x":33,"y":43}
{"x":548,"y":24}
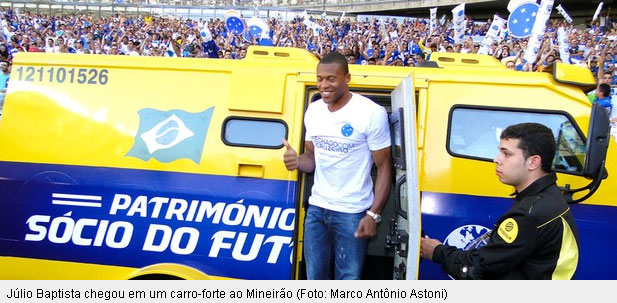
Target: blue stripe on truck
{"x":225,"y":226}
{"x":597,"y":226}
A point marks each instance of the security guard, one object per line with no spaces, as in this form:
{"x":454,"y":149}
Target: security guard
{"x":536,"y":238}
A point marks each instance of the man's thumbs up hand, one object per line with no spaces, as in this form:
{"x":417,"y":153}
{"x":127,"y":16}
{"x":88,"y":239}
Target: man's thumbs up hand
{"x":290,"y":157}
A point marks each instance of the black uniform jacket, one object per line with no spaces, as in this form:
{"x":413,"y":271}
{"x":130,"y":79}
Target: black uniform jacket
{"x":535,"y":239}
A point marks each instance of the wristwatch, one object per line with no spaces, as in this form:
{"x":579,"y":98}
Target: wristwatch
{"x":373,"y":215}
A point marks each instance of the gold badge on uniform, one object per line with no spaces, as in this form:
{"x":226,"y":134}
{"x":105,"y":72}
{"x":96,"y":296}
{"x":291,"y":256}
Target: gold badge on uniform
{"x":508,"y":230}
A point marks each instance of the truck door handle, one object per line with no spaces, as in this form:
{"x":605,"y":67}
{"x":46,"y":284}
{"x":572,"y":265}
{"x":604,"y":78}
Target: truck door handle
{"x":397,"y":195}
{"x":252,"y":170}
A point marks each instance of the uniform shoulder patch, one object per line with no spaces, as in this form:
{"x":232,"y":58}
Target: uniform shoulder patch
{"x":508,"y":230}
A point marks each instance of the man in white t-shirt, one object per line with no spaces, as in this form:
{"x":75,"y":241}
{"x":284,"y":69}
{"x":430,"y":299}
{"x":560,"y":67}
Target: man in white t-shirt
{"x":345,"y":134}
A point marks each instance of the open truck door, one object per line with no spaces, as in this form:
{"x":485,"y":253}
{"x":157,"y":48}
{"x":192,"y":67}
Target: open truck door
{"x":404,"y":234}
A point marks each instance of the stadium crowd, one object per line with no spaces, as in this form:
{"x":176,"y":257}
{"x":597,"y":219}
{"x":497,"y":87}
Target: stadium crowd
{"x":388,"y":42}
{"x":392,"y":41}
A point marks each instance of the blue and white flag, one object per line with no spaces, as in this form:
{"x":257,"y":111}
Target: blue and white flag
{"x":563,"y":12}
{"x":522,"y":17}
{"x":433,"y":25}
{"x":562,"y":39}
{"x":171,"y":135}
{"x":233,"y":22}
{"x":257,"y":28}
{"x":170,"y":52}
{"x":537,"y":33}
{"x":491,"y":35}
{"x":205,"y":33}
{"x":314,"y":26}
{"x":597,"y":13}
{"x":458,"y":19}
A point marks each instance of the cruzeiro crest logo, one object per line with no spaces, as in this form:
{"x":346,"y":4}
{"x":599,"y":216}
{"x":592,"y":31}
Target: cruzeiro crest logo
{"x":171,"y":135}
{"x":347,"y":130}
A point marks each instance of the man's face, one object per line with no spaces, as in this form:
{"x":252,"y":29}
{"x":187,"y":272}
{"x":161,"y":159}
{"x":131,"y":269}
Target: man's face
{"x":606,"y":78}
{"x":332,"y":82}
{"x":4,"y":67}
{"x":511,"y":168}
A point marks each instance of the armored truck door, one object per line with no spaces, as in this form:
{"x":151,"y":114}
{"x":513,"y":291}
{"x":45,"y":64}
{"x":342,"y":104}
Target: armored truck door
{"x":405,"y":229}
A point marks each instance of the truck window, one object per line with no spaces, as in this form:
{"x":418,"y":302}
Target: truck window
{"x":254,"y":132}
{"x":473,"y":132}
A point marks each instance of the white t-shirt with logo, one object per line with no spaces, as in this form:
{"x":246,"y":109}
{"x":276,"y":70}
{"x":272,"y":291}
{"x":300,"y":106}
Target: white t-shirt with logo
{"x":343,"y":142}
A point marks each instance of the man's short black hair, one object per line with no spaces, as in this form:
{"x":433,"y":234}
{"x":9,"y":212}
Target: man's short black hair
{"x":534,"y":139}
{"x":335,"y":57}
{"x":605,"y":89}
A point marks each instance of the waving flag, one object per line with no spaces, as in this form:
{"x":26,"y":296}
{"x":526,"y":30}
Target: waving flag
{"x":595,"y":16}
{"x":205,"y":33}
{"x":492,"y":33}
{"x":433,"y":18}
{"x":314,"y":26}
{"x":522,"y":17}
{"x":233,"y":22}
{"x":537,"y":34}
{"x":562,"y":38}
{"x":257,"y":28}
{"x":458,"y":14}
{"x":170,"y":52}
{"x":563,"y":12}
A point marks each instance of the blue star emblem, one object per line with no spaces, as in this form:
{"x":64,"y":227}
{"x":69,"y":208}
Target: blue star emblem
{"x":347,"y":130}
{"x":521,"y":20}
{"x":234,"y":25}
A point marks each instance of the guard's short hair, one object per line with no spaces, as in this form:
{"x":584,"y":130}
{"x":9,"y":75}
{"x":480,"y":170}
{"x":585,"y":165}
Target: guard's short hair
{"x":605,"y":89}
{"x":335,"y":57}
{"x":534,"y":139}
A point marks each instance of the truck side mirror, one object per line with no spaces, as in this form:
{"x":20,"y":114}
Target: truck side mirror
{"x":598,"y":137}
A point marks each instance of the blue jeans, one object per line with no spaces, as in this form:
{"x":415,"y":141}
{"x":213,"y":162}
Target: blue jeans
{"x":329,"y":235}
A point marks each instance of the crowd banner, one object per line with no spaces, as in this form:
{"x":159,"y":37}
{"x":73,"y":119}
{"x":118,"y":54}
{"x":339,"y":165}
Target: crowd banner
{"x":563,"y":12}
{"x":597,"y":13}
{"x":433,"y":19}
{"x":258,"y":28}
{"x":562,"y":38}
{"x":522,"y":17}
{"x":491,"y":35}
{"x":458,"y":18}
{"x":537,"y":33}
{"x":205,"y":33}
{"x":233,"y":22}
{"x":312,"y":25}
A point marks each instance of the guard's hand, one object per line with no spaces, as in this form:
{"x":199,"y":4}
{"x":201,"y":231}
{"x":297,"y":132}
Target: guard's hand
{"x":367,"y":228}
{"x":427,"y":247}
{"x":290,"y":157}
